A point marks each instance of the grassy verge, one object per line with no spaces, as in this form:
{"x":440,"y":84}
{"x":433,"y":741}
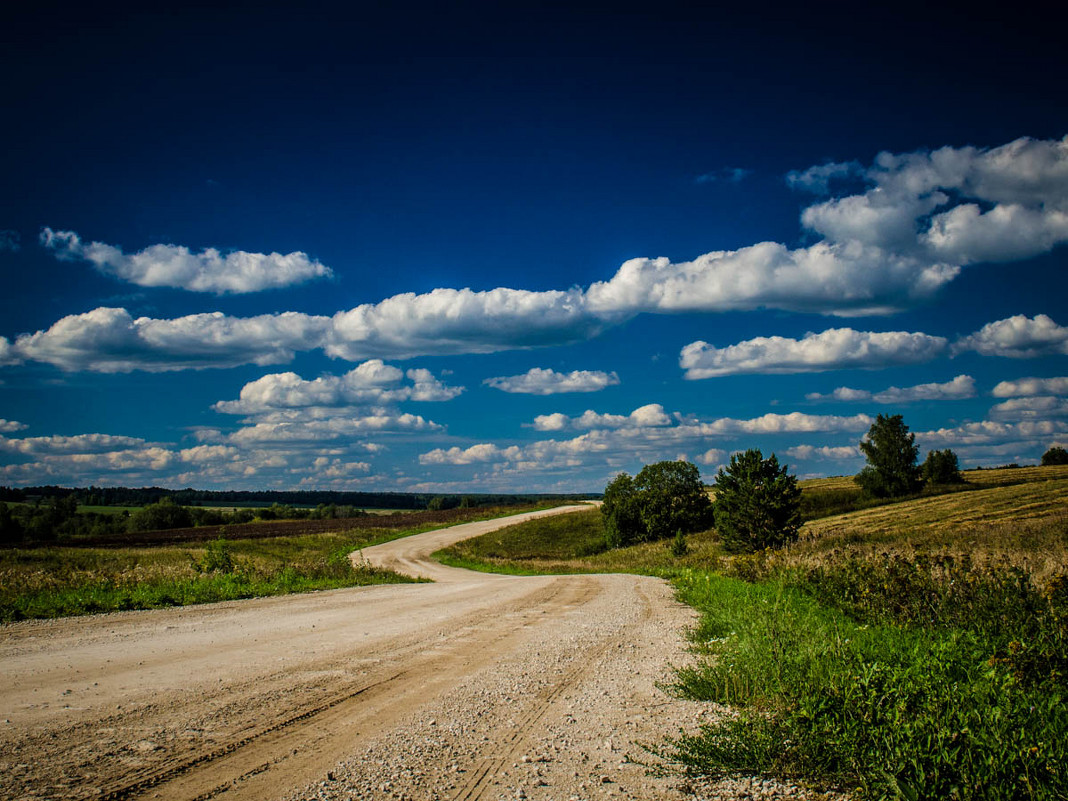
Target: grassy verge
{"x":57,"y":581}
{"x":909,"y":650}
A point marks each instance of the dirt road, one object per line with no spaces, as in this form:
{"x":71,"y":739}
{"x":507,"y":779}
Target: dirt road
{"x":473,"y":687}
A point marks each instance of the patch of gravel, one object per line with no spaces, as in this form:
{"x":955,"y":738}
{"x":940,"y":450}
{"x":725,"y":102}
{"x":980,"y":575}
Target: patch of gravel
{"x":561,"y":718}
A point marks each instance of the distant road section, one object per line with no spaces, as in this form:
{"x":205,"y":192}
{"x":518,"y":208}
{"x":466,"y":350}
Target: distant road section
{"x":474,"y":687}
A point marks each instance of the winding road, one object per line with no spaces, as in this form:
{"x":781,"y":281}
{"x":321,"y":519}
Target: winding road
{"x":476,"y":686}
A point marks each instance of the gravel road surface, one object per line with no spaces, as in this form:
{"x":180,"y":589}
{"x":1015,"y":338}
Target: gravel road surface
{"x":474,"y":687}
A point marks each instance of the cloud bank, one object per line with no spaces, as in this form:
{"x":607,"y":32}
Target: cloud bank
{"x":919,"y":219}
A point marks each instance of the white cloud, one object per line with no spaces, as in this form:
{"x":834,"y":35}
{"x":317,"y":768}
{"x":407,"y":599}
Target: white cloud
{"x":818,"y":178}
{"x":450,"y":321}
{"x":610,"y":449}
{"x":372,"y":382}
{"x":110,"y":340}
{"x":328,"y":429}
{"x":1031,"y":386}
{"x":794,"y":422}
{"x":11,"y":426}
{"x":846,"y":278}
{"x":833,"y":349}
{"x":650,"y":415}
{"x":542,"y":381}
{"x":825,"y":452}
{"x":963,"y":386}
{"x":78,"y":444}
{"x":713,"y":456}
{"x":176,"y":266}
{"x":1031,"y":408}
{"x":481,"y":453}
{"x":988,"y":432}
{"x":921,"y":217}
{"x":1017,"y":337}
{"x":7,"y":353}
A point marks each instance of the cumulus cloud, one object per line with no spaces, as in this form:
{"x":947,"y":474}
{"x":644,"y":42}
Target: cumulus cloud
{"x":175,"y":266}
{"x":1034,"y":408}
{"x":713,"y":456}
{"x":833,"y":349}
{"x":1023,"y":387}
{"x":7,"y":353}
{"x":650,"y":415}
{"x":824,"y":452}
{"x":1017,"y":337}
{"x":372,"y":382}
{"x":11,"y":426}
{"x":78,"y":444}
{"x":542,"y":381}
{"x":328,"y":428}
{"x":988,"y":432}
{"x":110,"y":340}
{"x":612,"y":448}
{"x":920,"y":218}
{"x":451,"y":321}
{"x":481,"y":453}
{"x":963,"y":386}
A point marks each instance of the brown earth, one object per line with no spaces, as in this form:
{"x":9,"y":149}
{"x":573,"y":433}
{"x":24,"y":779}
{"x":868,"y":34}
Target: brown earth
{"x":473,"y":687}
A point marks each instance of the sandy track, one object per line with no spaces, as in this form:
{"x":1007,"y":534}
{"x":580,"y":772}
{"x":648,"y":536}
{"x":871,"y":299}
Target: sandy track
{"x":473,"y":687}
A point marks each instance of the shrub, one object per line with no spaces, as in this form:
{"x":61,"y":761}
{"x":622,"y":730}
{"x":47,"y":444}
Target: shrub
{"x":891,"y":451}
{"x":758,"y":504}
{"x":941,"y":467}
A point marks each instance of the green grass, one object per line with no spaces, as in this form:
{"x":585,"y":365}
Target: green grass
{"x":891,"y":709}
{"x":61,"y":581}
{"x":915,"y":649}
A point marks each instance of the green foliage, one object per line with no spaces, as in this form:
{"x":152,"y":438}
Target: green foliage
{"x":621,"y":511}
{"x":672,"y":498}
{"x":662,"y":499}
{"x":218,"y":558}
{"x":941,"y":467}
{"x":893,"y":710}
{"x":1055,"y":455}
{"x":757,"y":503}
{"x":891,"y":452}
{"x":164,"y":514}
{"x":679,"y":546}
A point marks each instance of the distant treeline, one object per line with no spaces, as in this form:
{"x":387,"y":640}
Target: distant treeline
{"x":142,"y":496}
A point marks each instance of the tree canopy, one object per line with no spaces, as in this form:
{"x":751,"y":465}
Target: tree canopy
{"x":891,"y":451}
{"x":941,"y":467}
{"x":1055,"y":455}
{"x":662,"y":500}
{"x":758,"y":503}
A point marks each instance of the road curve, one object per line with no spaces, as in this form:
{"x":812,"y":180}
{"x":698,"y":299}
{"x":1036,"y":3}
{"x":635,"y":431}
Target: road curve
{"x":474,"y":687}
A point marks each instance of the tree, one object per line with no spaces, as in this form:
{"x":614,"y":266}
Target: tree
{"x":892,"y":453}
{"x":1055,"y":455}
{"x":663,"y":499}
{"x":621,"y":513}
{"x":672,"y":498}
{"x":758,"y":503}
{"x":163,"y":514}
{"x":941,"y":467}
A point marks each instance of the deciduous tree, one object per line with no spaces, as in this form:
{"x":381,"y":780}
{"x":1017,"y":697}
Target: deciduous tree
{"x":891,"y":451}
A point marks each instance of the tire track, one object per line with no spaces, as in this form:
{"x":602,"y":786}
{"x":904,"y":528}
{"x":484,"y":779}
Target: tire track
{"x":481,"y":780}
{"x":311,"y":741}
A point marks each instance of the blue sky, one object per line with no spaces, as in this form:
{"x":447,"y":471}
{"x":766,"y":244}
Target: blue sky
{"x":523,"y":247}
